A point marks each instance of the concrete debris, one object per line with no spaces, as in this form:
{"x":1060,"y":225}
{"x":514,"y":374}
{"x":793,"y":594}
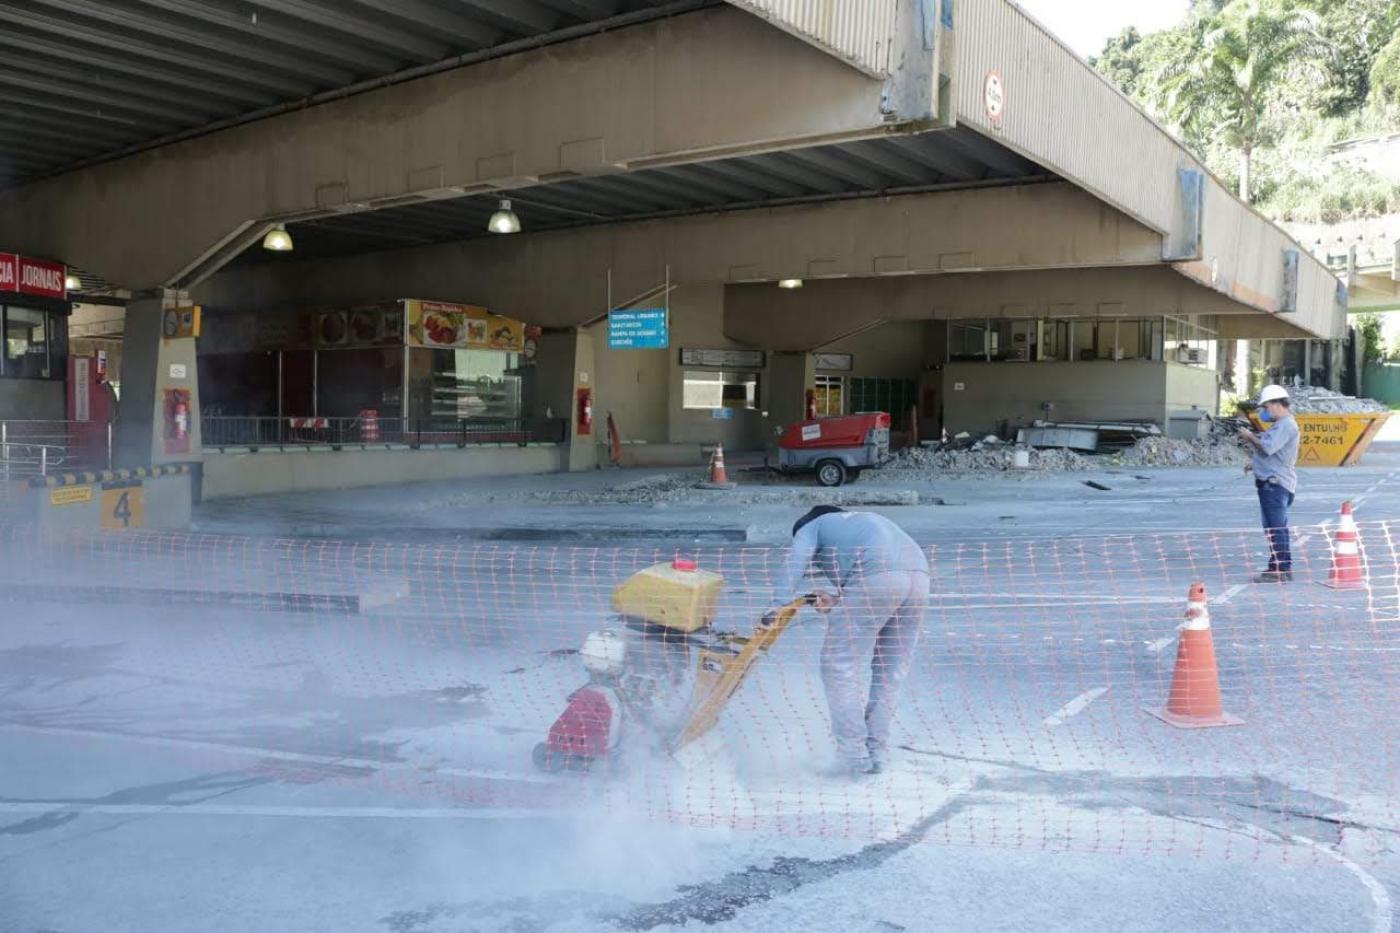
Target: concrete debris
{"x":1217,"y":450}
{"x":1314,"y":400}
{"x":1221,"y":449}
{"x":983,"y":457}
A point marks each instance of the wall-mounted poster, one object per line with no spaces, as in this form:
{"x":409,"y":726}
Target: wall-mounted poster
{"x":365,"y":326}
{"x":331,"y":329}
{"x":393,"y":324}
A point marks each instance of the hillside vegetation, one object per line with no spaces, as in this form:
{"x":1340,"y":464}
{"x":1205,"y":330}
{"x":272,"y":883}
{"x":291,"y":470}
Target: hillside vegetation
{"x":1261,"y":90}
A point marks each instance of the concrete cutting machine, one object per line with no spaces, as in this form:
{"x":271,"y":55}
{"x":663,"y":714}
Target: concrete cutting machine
{"x":662,"y":672}
{"x":836,"y":449}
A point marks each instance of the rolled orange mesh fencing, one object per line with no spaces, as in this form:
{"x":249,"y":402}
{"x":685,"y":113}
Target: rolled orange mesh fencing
{"x":1042,"y":709}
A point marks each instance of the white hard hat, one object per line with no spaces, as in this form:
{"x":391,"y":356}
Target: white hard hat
{"x":1273,"y":393}
{"x":603,"y":652}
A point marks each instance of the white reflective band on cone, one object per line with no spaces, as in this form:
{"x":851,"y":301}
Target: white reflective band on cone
{"x":1197,"y":618}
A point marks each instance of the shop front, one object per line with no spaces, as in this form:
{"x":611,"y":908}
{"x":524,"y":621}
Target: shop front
{"x":34,"y":311}
{"x":406,"y":371}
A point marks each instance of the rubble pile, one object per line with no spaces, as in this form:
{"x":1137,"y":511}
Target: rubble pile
{"x":987,"y":456}
{"x":1313,"y":400}
{"x":1217,"y":450}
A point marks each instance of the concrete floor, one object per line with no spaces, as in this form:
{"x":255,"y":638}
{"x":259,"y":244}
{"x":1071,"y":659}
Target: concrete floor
{"x":216,"y":766}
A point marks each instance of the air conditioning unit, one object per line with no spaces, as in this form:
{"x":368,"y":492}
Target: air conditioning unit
{"x":1195,"y":355}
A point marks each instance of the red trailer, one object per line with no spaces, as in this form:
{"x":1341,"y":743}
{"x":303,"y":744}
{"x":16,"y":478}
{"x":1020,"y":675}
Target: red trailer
{"x":837,"y":449}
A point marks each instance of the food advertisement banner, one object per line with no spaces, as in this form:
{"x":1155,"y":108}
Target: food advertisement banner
{"x":438,"y":324}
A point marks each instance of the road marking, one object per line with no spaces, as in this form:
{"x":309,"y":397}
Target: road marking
{"x":1074,"y":707}
{"x":1230,"y":594}
{"x":246,"y":810}
{"x":1155,"y":646}
{"x":252,"y":751}
{"x":1379,"y":895}
{"x":1373,"y":488}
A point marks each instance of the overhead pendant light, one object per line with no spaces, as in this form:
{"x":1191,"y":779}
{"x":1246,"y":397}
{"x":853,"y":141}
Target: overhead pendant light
{"x":789,"y":283}
{"x":72,"y":283}
{"x":278,"y":239}
{"x":504,"y":220}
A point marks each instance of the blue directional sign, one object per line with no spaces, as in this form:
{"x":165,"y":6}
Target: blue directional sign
{"x":638,"y":329}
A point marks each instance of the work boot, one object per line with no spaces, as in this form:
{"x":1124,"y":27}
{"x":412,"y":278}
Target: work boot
{"x":854,"y":768}
{"x":1274,"y":576}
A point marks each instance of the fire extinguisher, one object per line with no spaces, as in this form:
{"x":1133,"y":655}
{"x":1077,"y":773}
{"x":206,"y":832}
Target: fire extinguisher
{"x":811,"y":405}
{"x":177,"y":421}
{"x":585,"y":411}
{"x":180,"y":417}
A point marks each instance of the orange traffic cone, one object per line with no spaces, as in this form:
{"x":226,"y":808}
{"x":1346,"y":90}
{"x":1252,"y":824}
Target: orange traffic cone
{"x":1346,"y":572}
{"x":614,"y":442}
{"x":1194,"y":701}
{"x":719,"y":477}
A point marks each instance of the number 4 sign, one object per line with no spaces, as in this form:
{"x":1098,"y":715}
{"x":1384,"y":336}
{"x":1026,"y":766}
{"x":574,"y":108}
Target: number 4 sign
{"x":123,"y":508}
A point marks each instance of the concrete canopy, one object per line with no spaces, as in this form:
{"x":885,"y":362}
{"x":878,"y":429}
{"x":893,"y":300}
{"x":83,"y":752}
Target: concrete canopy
{"x":824,"y":312}
{"x":88,"y":80}
{"x":707,"y":111}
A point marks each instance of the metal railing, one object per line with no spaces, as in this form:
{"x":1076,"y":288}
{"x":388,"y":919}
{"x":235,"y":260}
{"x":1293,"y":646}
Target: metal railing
{"x":255,"y":432}
{"x":30,"y":448}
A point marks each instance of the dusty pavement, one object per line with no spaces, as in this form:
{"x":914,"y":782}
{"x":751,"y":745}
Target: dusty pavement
{"x":369,"y":769}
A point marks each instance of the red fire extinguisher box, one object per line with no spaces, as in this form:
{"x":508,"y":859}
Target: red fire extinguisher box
{"x":177,"y":421}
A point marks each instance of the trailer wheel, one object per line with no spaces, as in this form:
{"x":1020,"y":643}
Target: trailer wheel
{"x":831,"y":473}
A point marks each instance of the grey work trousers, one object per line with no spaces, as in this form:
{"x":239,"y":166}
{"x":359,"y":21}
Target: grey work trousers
{"x":871,"y":636}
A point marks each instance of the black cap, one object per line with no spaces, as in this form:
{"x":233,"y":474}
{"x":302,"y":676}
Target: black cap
{"x":816,"y":513}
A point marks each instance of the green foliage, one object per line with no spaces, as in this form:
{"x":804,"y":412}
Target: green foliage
{"x":1368,"y":329}
{"x":1357,"y":30}
{"x":1384,"y":75}
{"x":1344,"y":193}
{"x":1231,"y":81}
{"x":1259,"y":89}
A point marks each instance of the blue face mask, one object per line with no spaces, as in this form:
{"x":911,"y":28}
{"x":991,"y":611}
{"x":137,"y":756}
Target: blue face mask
{"x":1264,"y":415}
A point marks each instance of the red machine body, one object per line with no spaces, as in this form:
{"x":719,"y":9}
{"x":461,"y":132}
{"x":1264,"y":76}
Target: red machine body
{"x":840,"y":431}
{"x":582,"y":733}
{"x":836,"y":448}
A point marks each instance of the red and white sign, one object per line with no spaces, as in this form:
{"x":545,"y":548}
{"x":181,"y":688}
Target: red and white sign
{"x":994,"y":96}
{"x":33,"y":276}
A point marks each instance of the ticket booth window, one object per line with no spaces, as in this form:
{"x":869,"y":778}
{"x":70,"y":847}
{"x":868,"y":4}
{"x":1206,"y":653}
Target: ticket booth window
{"x":34,"y":345}
{"x":704,"y":389}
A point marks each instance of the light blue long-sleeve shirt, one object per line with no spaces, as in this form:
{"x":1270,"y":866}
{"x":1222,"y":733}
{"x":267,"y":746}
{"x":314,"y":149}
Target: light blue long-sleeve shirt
{"x":1279,"y":456}
{"x":848,"y":545}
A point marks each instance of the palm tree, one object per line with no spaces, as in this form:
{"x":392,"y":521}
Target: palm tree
{"x":1237,"y":61}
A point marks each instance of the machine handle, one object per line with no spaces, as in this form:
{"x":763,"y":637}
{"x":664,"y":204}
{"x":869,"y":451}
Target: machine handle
{"x":782,"y":613}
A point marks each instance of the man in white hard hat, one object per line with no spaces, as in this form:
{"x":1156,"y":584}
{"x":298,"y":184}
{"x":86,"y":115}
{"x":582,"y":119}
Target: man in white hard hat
{"x":881,"y":577}
{"x":1275,"y":478}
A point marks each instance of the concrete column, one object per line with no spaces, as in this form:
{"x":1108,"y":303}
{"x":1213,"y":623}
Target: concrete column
{"x":1242,"y":372}
{"x":790,"y":375}
{"x":565,"y":364}
{"x":154,"y":365}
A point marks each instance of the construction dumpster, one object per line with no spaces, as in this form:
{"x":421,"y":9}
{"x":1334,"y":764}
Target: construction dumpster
{"x":1335,"y":440}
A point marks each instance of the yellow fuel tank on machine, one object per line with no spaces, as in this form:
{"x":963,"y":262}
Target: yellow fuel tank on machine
{"x":676,"y":595}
